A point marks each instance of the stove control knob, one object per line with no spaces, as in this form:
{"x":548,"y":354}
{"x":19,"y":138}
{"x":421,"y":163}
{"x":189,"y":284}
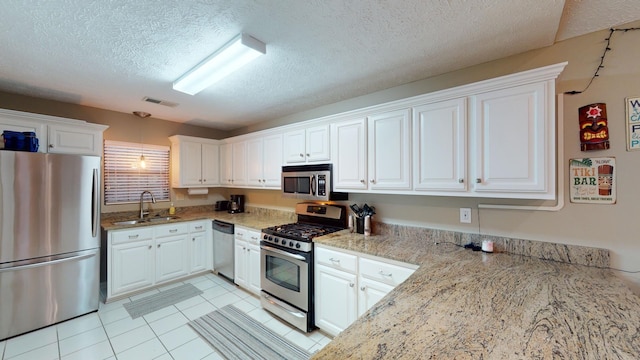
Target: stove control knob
{"x":275,"y":240}
{"x":265,"y":236}
{"x":298,"y":246}
{"x":291,"y":243}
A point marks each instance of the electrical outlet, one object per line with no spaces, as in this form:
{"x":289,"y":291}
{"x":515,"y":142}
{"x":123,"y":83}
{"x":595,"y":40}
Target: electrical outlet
{"x":465,"y":215}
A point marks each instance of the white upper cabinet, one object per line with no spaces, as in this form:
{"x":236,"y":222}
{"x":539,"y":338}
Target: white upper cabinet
{"x":440,"y":146}
{"x":194,"y":162}
{"x":264,"y":161}
{"x":308,"y":145}
{"x":226,"y":164}
{"x":239,"y":163}
{"x":389,"y":153}
{"x":55,"y":134}
{"x":349,"y":147}
{"x":514,"y":142}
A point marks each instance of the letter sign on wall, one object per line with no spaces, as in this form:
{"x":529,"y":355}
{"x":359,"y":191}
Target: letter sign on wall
{"x":633,"y":123}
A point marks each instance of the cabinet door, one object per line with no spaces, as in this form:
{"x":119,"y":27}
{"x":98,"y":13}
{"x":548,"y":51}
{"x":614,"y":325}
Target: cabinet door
{"x":210,"y":167}
{"x":335,"y":299}
{"x":191,"y":163}
{"x":512,"y":140}
{"x":172,"y":257}
{"x":272,"y":161}
{"x":370,"y":293}
{"x":65,"y":139}
{"x":389,"y":151}
{"x":198,"y":251}
{"x":255,"y":163}
{"x":294,"y":146}
{"x":350,"y":155}
{"x":253,"y":268}
{"x":226,"y":164}
{"x":318,"y":144}
{"x":439,"y":146}
{"x":239,"y":156}
{"x":131,"y":266}
{"x":240,"y":263}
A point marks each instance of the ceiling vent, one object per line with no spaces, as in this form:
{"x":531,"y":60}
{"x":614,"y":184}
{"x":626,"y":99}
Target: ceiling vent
{"x":159,"y":102}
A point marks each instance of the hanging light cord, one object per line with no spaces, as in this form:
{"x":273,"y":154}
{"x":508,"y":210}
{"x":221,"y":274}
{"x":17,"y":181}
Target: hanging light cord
{"x":604,"y":54}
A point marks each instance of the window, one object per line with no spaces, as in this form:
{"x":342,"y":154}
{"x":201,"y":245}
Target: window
{"x":124,"y":177}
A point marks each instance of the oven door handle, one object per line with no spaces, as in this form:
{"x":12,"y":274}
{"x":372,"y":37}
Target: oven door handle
{"x":283,"y":253}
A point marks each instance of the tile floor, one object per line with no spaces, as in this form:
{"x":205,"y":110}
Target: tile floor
{"x":110,"y":333}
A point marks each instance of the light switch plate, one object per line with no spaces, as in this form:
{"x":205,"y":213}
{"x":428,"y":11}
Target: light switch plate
{"x":465,"y":215}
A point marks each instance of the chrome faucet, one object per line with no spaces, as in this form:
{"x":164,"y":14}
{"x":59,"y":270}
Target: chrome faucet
{"x":153,"y":200}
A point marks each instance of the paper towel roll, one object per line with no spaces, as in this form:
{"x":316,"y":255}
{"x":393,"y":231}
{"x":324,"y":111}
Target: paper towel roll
{"x":197,"y":191}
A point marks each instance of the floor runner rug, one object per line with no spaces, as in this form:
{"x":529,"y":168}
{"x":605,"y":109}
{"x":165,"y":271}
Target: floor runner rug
{"x":236,"y":335}
{"x":154,"y":302}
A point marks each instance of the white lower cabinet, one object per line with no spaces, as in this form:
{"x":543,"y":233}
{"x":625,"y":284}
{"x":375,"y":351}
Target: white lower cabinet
{"x":142,"y":257}
{"x":247,"y":259}
{"x":348,"y":284}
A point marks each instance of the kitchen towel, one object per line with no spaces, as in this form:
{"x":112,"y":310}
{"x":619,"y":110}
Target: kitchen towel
{"x":154,"y":302}
{"x":237,"y":336}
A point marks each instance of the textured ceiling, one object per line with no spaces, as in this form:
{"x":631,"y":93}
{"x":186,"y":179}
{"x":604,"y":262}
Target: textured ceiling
{"x":112,"y":54}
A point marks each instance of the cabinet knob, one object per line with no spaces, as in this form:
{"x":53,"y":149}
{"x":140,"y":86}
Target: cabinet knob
{"x":158,"y":245}
{"x":301,"y":155}
{"x":372,"y":181}
{"x":362,"y":288}
{"x":199,"y":180}
{"x":193,"y":239}
{"x":362,"y":181}
{"x":308,"y":155}
{"x":51,"y":146}
{"x":478,"y":180}
{"x":351,"y":284}
{"x":334,"y":260}
{"x":460,"y":181}
{"x":204,"y":180}
{"x":150,"y":247}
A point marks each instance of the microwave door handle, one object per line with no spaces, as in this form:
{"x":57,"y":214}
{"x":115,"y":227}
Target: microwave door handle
{"x":313,"y":185}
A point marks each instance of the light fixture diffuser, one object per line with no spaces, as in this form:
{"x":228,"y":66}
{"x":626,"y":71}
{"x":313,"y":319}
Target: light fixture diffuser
{"x":233,"y":55}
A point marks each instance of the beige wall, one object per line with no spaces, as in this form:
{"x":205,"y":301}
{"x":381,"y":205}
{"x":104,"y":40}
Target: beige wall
{"x":604,"y":226}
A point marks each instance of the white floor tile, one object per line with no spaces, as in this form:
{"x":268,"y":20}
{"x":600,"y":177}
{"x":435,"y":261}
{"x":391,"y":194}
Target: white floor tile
{"x":193,"y":301}
{"x":2,"y":346}
{"x":112,"y":305}
{"x":194,"y":349}
{"x":99,"y":351}
{"x":214,"y":292}
{"x":132,"y":338}
{"x":199,"y":310}
{"x":278,"y":326}
{"x":260,"y":315}
{"x":168,"y":323}
{"x":122,"y":326}
{"x":245,"y":306}
{"x":224,"y":299}
{"x":170,"y":286}
{"x":113,"y":315}
{"x":177,"y":337}
{"x":78,"y":325}
{"x":146,"y":351}
{"x":300,"y":339}
{"x":165,"y":356}
{"x":82,"y":340}
{"x":204,"y":285}
{"x":214,"y":356}
{"x":31,"y":341}
{"x":47,"y":352}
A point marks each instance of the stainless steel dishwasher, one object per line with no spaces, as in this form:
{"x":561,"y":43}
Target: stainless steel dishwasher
{"x":223,"y":249}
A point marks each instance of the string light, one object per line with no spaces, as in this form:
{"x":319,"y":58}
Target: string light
{"x":607,"y":48}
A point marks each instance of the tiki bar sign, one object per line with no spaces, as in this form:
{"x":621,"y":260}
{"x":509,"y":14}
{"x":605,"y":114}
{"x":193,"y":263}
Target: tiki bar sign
{"x":592,"y":180}
{"x":594,"y":130}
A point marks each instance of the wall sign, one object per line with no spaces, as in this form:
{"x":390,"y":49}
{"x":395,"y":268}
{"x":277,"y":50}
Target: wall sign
{"x":592,"y":180}
{"x":594,"y":129}
{"x":633,"y":123}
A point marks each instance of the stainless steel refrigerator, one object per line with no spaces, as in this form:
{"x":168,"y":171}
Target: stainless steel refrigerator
{"x":49,"y":239}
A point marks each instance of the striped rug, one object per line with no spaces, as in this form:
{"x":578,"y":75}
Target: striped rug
{"x":151,"y":303}
{"x":235,"y":335}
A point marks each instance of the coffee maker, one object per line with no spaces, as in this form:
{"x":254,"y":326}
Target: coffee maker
{"x":236,"y":204}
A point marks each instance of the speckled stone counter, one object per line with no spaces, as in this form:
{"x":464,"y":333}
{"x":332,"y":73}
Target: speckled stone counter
{"x":462,"y":304}
{"x":255,"y":218}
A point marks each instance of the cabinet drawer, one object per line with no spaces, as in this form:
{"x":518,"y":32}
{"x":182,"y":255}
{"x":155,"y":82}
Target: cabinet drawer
{"x":336,"y":260}
{"x":171,"y":229}
{"x":384,"y":272}
{"x":241,"y":233}
{"x":122,"y":236}
{"x":253,"y":237}
{"x":198,"y":226}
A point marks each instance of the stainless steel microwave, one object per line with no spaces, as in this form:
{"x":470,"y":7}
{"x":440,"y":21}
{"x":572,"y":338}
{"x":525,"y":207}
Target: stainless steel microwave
{"x":310,"y":182}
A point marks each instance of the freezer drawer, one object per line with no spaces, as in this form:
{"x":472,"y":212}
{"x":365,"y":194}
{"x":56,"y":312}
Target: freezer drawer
{"x":40,"y":292}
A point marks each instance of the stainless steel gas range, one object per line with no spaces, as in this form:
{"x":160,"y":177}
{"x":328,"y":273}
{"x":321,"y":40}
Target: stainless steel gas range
{"x":286,"y":263}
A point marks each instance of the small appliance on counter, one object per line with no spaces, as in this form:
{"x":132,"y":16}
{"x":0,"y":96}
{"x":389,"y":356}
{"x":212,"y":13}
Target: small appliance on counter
{"x":222,"y":205}
{"x":236,"y":204}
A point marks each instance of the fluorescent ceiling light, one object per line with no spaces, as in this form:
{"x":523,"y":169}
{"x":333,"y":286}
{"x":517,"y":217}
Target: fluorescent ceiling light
{"x":232,"y":56}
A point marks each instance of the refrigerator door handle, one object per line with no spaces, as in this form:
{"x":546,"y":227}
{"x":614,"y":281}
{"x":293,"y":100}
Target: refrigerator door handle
{"x":95,"y":204}
{"x":47,"y":263}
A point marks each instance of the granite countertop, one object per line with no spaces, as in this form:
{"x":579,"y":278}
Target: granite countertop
{"x":462,"y":304}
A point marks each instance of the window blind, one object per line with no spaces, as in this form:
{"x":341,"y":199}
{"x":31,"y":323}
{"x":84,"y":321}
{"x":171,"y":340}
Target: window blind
{"x":124,"y":177}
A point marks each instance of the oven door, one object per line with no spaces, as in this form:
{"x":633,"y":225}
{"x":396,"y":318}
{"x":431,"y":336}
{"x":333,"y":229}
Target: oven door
{"x":285,"y":275}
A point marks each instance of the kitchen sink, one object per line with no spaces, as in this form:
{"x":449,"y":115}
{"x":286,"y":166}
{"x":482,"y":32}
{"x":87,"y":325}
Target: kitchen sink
{"x":130,"y":222}
{"x":146,"y":220}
